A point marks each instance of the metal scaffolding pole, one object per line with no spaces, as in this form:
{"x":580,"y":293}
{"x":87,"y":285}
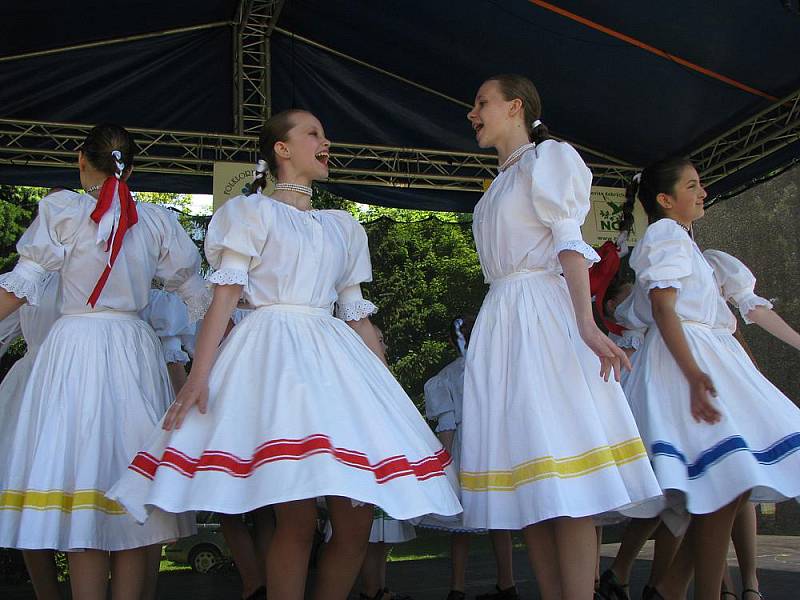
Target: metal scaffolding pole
{"x":255,"y":21}
{"x":48,"y":144}
{"x":760,"y":135}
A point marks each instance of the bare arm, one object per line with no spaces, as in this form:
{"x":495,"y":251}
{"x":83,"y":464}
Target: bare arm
{"x":447,"y":437}
{"x":9,"y":303}
{"x":771,"y":322}
{"x":576,"y":275}
{"x":669,"y":324}
{"x":215,"y":324}
{"x":365,"y":330}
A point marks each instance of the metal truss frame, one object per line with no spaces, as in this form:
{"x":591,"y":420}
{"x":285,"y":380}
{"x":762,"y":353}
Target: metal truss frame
{"x":768,"y":131}
{"x":51,"y":144}
{"x":48,"y":144}
{"x":255,"y":21}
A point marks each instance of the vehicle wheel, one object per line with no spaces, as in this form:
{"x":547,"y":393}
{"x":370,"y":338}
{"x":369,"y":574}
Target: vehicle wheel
{"x":204,"y":559}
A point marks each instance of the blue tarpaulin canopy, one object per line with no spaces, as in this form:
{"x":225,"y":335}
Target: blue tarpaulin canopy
{"x":627,"y":81}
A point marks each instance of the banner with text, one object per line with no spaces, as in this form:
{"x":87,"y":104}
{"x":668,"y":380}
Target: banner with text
{"x":232,"y":179}
{"x":602,"y":222}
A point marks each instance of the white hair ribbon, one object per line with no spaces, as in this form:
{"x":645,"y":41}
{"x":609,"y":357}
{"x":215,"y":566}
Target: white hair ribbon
{"x":261,"y":168}
{"x":109,"y":222}
{"x":536,"y":123}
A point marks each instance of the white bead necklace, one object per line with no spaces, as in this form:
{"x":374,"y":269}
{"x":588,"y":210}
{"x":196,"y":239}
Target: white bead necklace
{"x":295,"y":187}
{"x":512,"y":158}
{"x":93,"y":188}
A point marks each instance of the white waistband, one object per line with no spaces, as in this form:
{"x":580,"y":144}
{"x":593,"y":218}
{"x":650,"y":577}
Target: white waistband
{"x":107,"y":314}
{"x":696,"y":324}
{"x":298,"y":308}
{"x":521,"y":275}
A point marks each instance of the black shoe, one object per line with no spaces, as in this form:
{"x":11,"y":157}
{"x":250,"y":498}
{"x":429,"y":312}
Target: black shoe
{"x":651,"y":593}
{"x":259,"y":594}
{"x":610,"y":588}
{"x":456,"y":595}
{"x":506,"y":594}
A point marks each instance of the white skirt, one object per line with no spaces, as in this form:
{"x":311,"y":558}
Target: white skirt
{"x":454,"y":524}
{"x":299,"y":407}
{"x":704,"y":467}
{"x":543,"y":435}
{"x":76,"y":415}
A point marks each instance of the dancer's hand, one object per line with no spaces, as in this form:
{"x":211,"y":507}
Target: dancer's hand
{"x":701,"y":390}
{"x":612,"y":357}
{"x":194,"y":392}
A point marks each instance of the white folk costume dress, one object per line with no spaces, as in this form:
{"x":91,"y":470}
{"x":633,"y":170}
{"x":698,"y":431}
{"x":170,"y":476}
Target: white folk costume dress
{"x":98,"y":384}
{"x":704,"y":467}
{"x":444,"y":399}
{"x":543,"y":435}
{"x":299,"y":407}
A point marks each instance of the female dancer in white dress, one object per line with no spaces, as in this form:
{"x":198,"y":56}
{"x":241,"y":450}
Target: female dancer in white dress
{"x":296,"y":404}
{"x":165,"y":313}
{"x":548,"y":441}
{"x":444,"y":397}
{"x":33,"y":323}
{"x":98,"y":384}
{"x":716,"y":429}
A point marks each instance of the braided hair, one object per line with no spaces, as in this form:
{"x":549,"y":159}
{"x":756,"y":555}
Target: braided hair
{"x":102,"y":141}
{"x":659,"y":178}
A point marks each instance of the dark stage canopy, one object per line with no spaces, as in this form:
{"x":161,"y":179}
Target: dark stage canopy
{"x":627,"y":81}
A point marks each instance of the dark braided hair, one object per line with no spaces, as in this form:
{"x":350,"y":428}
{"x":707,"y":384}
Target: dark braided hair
{"x":102,"y":141}
{"x":514,"y":86}
{"x":276,"y":129}
{"x":658,"y":178}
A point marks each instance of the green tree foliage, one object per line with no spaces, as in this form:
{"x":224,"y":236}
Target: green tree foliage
{"x":424,"y":274}
{"x":17,"y":210}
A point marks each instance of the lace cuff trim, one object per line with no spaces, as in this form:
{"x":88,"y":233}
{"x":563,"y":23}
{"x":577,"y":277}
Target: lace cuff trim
{"x":355,"y":311}
{"x":579,"y":246}
{"x":630,"y":341}
{"x":663,"y":285}
{"x":227,"y":276}
{"x":196,"y":294}
{"x":745,"y":306}
{"x":25,"y":281}
{"x":172,"y":355}
{"x":446,"y":422}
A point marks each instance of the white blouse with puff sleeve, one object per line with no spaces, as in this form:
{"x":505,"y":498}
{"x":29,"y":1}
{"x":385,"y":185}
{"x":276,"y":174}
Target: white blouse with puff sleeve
{"x":63,"y":238}
{"x":736,"y":282}
{"x":169,"y":318}
{"x":666,"y":257}
{"x":539,"y":204}
{"x":282,"y":255}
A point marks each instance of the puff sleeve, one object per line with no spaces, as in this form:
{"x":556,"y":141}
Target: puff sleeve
{"x":169,"y":318}
{"x":351,"y":304}
{"x":179,"y":266}
{"x":737,"y":283}
{"x":635,"y":328}
{"x":43,"y":246}
{"x":562,"y":186}
{"x":439,"y":405}
{"x":663,"y":256}
{"x":236,"y":238}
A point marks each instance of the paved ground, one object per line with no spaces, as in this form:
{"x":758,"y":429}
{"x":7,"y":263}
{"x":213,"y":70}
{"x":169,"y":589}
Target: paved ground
{"x":779,"y":564}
